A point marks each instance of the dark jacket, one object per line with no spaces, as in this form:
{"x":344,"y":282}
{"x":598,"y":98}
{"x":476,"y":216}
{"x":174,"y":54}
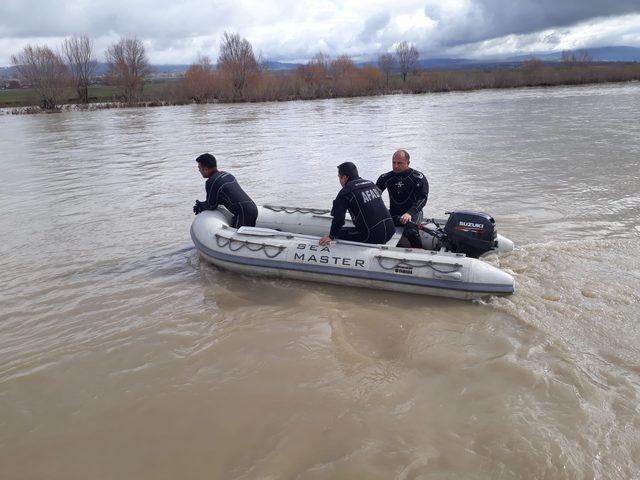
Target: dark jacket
{"x":363,"y":201}
{"x":408,"y":191}
{"x":223,"y":189}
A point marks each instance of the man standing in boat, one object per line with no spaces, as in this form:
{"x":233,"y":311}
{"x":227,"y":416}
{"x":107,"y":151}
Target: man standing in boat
{"x":223,"y":189}
{"x":363,"y":200}
{"x":408,"y":192}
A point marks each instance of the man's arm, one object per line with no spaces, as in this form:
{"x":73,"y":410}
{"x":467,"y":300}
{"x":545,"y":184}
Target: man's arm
{"x":213,"y":190}
{"x":338,"y":212}
{"x":211,"y":203}
{"x":382,"y":182}
{"x":421,"y":193}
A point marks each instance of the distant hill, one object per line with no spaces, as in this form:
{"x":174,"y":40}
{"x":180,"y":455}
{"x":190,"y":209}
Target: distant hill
{"x":101,"y":69}
{"x":275,"y":66}
{"x":6,"y":72}
{"x":602,"y":54}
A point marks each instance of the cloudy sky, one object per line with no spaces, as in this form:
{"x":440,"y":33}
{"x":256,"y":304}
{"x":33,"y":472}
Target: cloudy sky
{"x":176,"y":31}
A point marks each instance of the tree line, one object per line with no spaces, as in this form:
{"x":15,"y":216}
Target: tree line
{"x":50,"y":72}
{"x":240,"y":75}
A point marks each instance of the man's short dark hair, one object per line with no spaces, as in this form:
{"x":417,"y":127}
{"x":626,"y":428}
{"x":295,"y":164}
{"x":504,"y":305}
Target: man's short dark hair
{"x":207,"y":160}
{"x":348,"y":169}
{"x":406,"y":155}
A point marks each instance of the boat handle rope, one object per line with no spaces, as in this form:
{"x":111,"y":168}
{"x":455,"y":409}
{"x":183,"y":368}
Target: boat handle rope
{"x":403,"y":262}
{"x":291,"y":210}
{"x":252,"y":246}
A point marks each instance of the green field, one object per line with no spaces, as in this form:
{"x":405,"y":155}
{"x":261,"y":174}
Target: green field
{"x":98,"y":93}
{"x":11,"y":98}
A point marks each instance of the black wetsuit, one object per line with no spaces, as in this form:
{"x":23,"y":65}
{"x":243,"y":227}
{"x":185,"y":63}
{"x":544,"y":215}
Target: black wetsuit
{"x":363,"y":200}
{"x":223,"y":189}
{"x":408,"y":192}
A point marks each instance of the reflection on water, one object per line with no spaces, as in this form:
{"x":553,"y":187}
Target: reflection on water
{"x":123,"y":355}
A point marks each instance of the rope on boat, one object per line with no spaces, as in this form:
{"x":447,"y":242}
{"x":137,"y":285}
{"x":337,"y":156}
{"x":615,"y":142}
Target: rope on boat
{"x":406,"y":263}
{"x":291,"y":210}
{"x":252,"y":246}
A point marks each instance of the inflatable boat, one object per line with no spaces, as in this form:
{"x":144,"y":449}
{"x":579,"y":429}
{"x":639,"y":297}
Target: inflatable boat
{"x":284,"y":243}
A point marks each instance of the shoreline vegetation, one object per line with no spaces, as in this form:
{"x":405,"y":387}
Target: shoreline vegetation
{"x":57,"y":85}
{"x":279,"y":87}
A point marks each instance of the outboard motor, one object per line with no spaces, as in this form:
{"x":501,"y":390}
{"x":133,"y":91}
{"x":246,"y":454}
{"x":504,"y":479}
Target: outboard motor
{"x":471,"y":233}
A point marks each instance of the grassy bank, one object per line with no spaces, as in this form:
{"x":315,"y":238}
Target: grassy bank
{"x":24,"y":97}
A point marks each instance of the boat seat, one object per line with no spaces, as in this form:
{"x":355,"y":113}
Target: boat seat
{"x":393,"y":242}
{"x":260,"y":232}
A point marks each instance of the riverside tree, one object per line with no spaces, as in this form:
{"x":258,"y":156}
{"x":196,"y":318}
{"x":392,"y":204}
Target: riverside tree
{"x":128,"y":67}
{"x":386,"y":63}
{"x":407,"y":58}
{"x":343,"y":66}
{"x":199,"y":80}
{"x":576,"y":58}
{"x":43,"y":69}
{"x":78,"y":52}
{"x":322,"y":61}
{"x":314,"y":76}
{"x":237,"y":61}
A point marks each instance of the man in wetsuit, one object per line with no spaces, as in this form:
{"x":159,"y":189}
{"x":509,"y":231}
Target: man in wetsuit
{"x":408,"y":192}
{"x":373,"y":223}
{"x":223,"y":189}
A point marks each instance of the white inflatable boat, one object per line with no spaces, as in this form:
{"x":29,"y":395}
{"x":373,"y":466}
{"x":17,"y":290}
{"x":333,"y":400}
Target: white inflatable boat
{"x":284,"y":243}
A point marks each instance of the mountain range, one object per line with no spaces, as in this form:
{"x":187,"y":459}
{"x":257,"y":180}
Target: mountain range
{"x":602,"y":54}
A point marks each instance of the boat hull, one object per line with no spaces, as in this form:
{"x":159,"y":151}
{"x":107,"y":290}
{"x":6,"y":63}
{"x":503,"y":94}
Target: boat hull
{"x":268,"y":252}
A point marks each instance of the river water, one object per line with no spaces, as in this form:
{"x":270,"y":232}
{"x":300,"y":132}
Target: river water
{"x":123,"y":355}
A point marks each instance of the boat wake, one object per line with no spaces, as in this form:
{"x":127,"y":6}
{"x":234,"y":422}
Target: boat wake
{"x":583,"y":292}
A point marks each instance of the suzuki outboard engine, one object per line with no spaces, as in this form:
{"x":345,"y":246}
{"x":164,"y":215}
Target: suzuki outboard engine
{"x":471,"y":233}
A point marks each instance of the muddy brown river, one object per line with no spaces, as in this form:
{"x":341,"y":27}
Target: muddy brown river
{"x":124,"y":356}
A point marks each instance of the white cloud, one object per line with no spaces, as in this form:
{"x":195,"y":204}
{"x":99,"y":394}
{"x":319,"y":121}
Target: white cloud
{"x":599,"y":32}
{"x":176,"y":31}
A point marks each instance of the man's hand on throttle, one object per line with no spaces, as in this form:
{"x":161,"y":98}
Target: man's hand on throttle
{"x":405,"y":218}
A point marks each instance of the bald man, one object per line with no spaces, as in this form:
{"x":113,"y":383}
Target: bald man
{"x":408,"y":193}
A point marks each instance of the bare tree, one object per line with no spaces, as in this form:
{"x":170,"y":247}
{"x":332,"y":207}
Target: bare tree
{"x":576,"y":58}
{"x":343,"y":66}
{"x":584,"y":57}
{"x":199,"y":80}
{"x":128,"y":67}
{"x":386,"y":63}
{"x":407,"y":58}
{"x":237,"y":60}
{"x":533,"y":64}
{"x":322,"y":61}
{"x":314,"y":75}
{"x":45,"y":71}
{"x":78,"y":52}
{"x":262,"y":61}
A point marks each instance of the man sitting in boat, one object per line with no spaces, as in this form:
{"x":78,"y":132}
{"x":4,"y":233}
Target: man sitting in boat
{"x":363,"y":200}
{"x":408,"y":192}
{"x":223,"y":189}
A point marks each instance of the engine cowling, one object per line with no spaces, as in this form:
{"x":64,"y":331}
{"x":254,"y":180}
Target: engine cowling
{"x":471,"y":233}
